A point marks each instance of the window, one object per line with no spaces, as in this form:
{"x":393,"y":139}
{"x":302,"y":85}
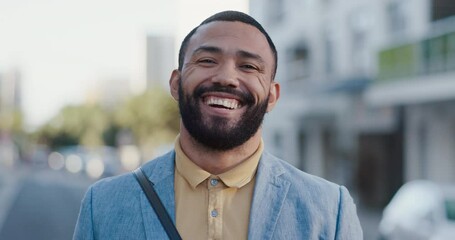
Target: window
{"x":275,"y":11}
{"x":299,"y":64}
{"x":450,"y":209}
{"x":329,"y":54}
{"x":396,"y":17}
{"x":442,"y":9}
{"x":450,"y":64}
{"x":359,"y":26}
{"x":434,"y":51}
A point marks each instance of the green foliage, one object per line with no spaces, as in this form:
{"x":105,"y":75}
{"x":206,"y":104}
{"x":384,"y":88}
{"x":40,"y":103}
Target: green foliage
{"x":11,"y":121}
{"x":152,"y":117}
{"x":83,"y":124}
{"x":11,"y":125}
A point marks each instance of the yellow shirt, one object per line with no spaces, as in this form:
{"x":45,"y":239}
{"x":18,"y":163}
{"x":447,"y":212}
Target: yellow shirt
{"x":213,"y":206}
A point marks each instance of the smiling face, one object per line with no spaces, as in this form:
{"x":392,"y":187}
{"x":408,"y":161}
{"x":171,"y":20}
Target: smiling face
{"x":225,"y":86}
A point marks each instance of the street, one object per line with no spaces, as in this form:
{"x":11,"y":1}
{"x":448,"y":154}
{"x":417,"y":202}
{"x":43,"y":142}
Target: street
{"x":44,"y":205}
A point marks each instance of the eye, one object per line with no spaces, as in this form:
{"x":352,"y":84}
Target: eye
{"x":249,"y":67}
{"x":206,"y":61}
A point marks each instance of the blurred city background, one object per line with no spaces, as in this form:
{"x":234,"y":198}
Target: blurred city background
{"x":368,"y":101}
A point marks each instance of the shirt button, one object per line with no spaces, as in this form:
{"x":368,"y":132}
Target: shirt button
{"x":213,"y":182}
{"x":214,"y":213}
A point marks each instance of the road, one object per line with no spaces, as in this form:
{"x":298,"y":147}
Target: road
{"x":45,"y":206}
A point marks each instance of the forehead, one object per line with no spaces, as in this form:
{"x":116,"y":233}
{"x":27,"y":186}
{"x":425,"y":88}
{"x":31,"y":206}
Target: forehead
{"x":231,"y":36}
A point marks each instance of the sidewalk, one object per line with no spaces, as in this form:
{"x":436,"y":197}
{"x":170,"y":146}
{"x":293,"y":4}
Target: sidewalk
{"x":9,"y":185}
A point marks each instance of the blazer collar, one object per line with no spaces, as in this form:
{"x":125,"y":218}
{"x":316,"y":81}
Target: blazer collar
{"x":161,"y":173}
{"x":269,"y":195}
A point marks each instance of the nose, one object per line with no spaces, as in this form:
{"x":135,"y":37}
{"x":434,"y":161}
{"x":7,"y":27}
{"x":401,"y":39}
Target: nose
{"x":226,"y":75}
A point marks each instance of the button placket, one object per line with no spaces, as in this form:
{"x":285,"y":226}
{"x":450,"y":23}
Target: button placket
{"x":214,"y":213}
{"x":214,"y":182}
{"x":214,"y":207}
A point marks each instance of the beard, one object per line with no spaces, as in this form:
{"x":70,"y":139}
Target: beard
{"x":219,"y":133}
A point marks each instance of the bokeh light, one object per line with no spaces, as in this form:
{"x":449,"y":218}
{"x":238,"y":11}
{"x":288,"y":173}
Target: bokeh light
{"x":95,"y":168}
{"x":56,"y":161}
{"x":73,"y":163}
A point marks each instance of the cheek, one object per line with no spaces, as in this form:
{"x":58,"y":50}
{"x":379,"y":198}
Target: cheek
{"x":259,"y":87}
{"x":194,"y":76}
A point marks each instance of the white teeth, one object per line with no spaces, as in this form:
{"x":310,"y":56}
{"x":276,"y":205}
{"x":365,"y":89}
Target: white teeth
{"x":225,"y":102}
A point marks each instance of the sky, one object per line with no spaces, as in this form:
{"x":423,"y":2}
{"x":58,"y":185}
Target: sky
{"x":65,"y":48}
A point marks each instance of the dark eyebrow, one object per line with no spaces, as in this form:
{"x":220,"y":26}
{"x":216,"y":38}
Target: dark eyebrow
{"x":245,"y":54}
{"x":240,"y":53}
{"x":209,"y":49}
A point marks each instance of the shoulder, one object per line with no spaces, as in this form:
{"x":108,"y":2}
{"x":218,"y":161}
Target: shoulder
{"x":304,"y":190}
{"x":325,"y":207}
{"x":121,"y":185}
{"x":297,"y":177}
{"x":114,"y":204}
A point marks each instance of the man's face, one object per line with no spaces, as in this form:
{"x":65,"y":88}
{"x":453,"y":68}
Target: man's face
{"x":225,"y":86}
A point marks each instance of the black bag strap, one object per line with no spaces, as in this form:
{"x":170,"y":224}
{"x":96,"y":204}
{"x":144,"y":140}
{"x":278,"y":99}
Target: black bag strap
{"x":157,"y":205}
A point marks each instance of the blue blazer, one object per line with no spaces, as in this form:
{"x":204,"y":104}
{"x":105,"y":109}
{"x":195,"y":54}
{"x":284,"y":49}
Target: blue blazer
{"x":287,"y":204}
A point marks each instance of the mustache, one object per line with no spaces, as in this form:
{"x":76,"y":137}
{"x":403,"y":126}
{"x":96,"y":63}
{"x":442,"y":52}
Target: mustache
{"x":246,"y":97}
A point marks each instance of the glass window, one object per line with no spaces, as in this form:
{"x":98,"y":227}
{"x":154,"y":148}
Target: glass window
{"x":450,"y":51}
{"x":299,"y":62}
{"x":329,"y":54}
{"x":434,"y":51}
{"x":359,"y":25}
{"x":450,"y":209}
{"x":442,"y":9}
{"x":396,"y":17}
{"x":275,"y":11}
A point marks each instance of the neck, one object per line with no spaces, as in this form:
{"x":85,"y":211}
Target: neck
{"x":213,"y":161}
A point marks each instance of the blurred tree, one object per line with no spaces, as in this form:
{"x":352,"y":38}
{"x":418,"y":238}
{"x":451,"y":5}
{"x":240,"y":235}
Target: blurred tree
{"x":11,"y":128}
{"x":82,"y":124}
{"x":11,"y":121}
{"x":152,"y":117}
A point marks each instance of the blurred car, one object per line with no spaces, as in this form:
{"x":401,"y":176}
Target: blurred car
{"x":38,"y":157}
{"x":96,"y":162}
{"x":420,"y":210}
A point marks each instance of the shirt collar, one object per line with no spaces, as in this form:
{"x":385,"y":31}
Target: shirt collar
{"x":237,"y":177}
{"x":193,"y":174}
{"x":242,"y":174}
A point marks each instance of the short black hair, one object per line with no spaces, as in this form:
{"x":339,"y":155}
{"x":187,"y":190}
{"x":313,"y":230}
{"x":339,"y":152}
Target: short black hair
{"x":229,"y":16}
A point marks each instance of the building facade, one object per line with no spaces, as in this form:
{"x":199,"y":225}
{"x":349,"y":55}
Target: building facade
{"x":10,"y":109}
{"x":368,"y":90}
{"x":160,"y":60}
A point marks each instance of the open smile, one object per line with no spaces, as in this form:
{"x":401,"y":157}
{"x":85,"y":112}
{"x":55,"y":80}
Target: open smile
{"x":222,"y":102}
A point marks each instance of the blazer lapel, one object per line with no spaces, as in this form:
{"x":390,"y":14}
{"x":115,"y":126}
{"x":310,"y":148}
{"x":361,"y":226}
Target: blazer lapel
{"x":269,"y":195}
{"x":162,"y":175}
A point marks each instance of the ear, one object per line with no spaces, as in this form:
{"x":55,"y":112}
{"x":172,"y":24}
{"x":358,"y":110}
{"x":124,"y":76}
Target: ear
{"x":174,"y":84}
{"x":274,"y":95}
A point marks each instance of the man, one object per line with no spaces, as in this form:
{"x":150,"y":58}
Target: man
{"x":219,"y":183}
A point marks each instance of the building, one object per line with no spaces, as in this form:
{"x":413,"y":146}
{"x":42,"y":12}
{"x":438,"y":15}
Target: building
{"x":367,"y":90}
{"x":160,"y":59}
{"x":10,"y":90}
{"x":10,"y":108}
{"x":109,"y":92}
{"x":416,"y":72}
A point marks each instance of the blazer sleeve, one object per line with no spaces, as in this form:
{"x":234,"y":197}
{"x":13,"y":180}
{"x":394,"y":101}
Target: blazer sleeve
{"x":84,"y":225}
{"x":348,"y":224}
